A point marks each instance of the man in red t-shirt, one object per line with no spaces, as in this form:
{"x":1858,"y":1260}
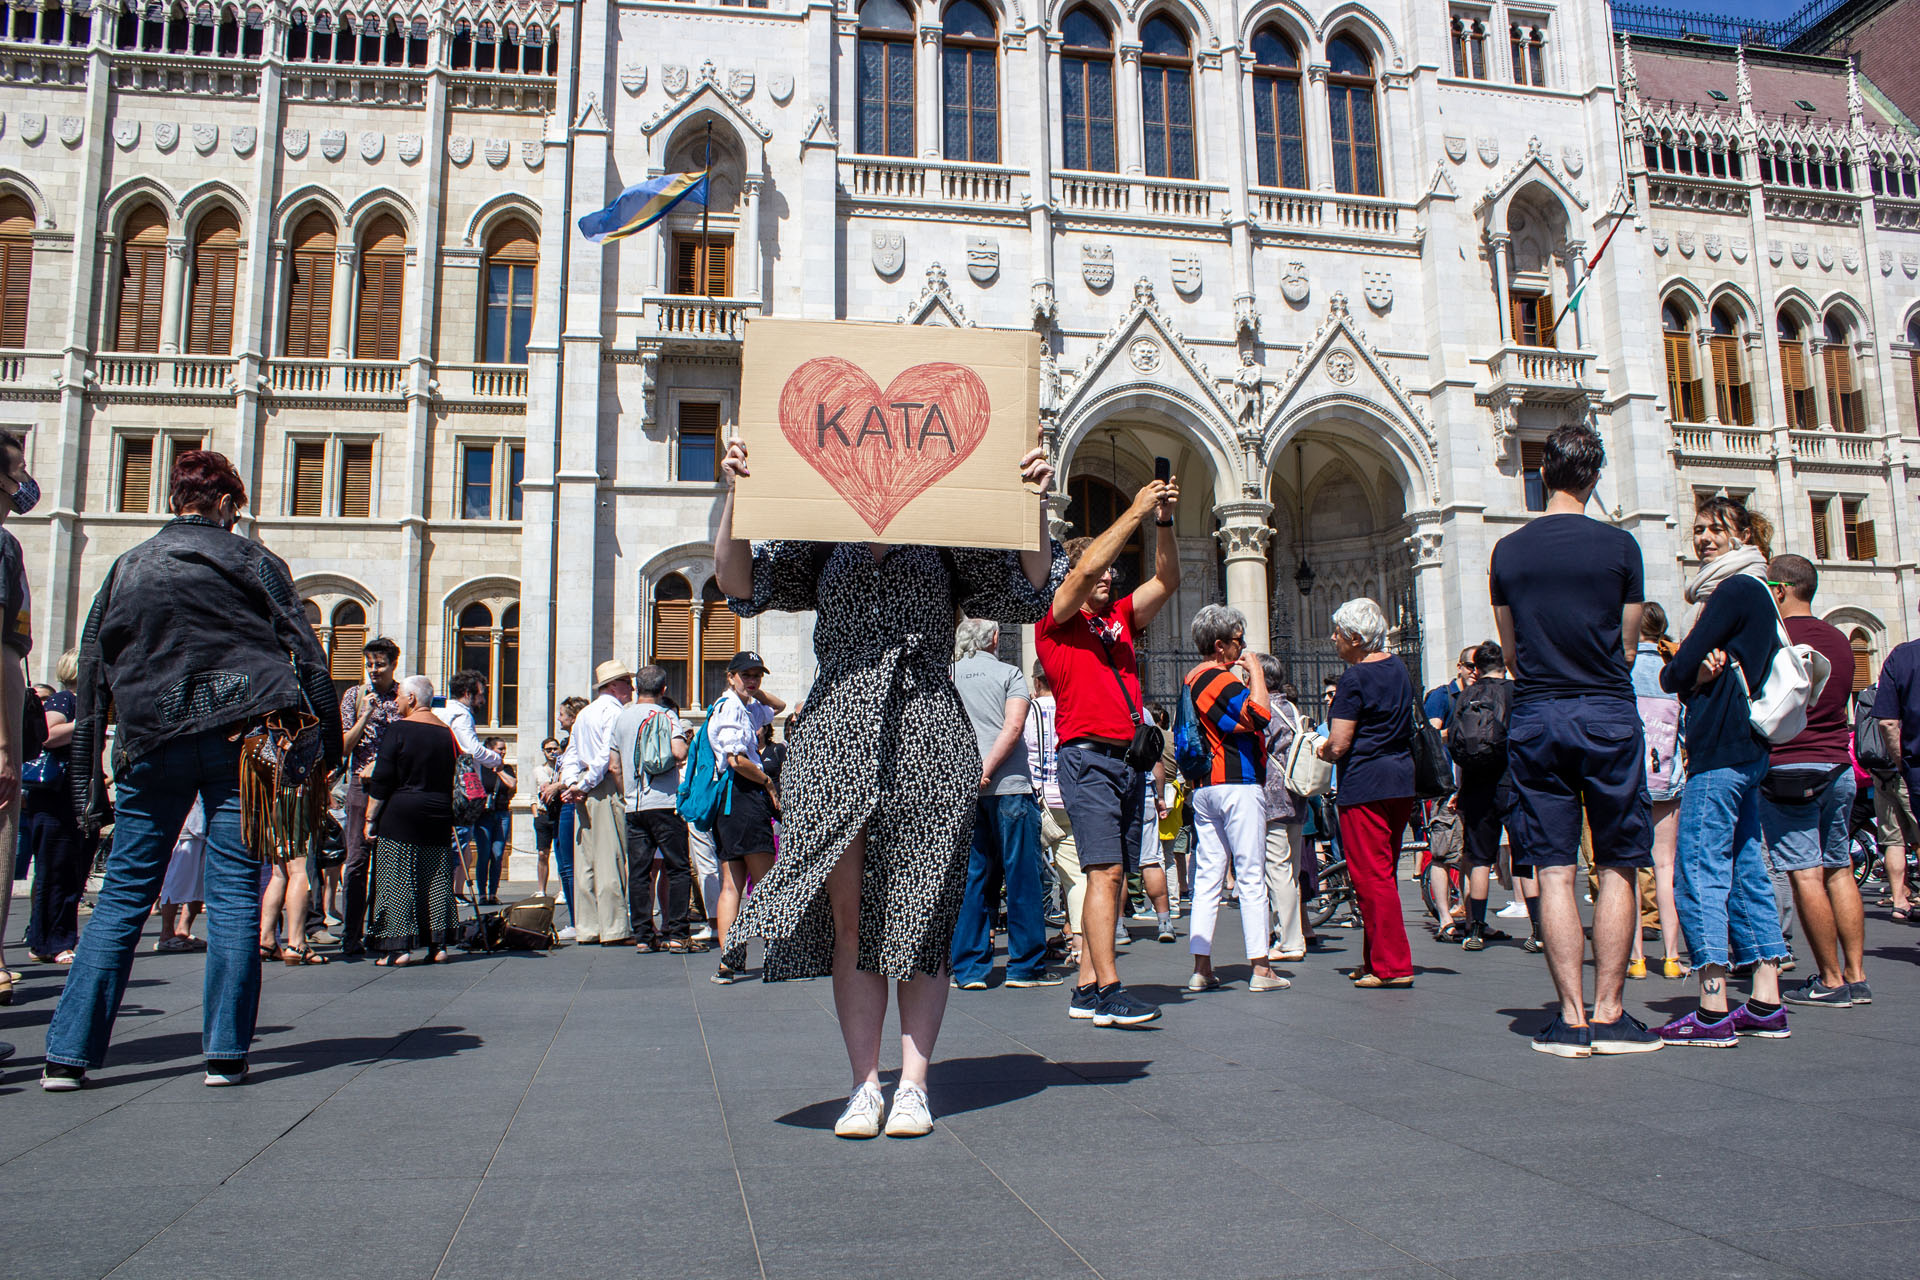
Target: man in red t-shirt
{"x":1807,"y":800}
{"x":1086,"y":648}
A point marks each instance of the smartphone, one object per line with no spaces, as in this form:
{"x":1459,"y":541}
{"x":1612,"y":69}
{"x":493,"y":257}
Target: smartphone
{"x":1162,"y":470}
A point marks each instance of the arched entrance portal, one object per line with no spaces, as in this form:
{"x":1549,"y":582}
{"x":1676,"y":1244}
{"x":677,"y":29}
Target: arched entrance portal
{"x":1107,"y":467}
{"x":1340,"y":531}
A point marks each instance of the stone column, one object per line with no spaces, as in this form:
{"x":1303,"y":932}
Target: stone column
{"x":750,"y":235}
{"x":1498,"y":245}
{"x":1245,"y":530}
{"x":1129,"y":150}
{"x":174,"y":300}
{"x":927,"y":102}
{"x":1313,"y":114}
{"x":1429,"y":595}
{"x":340,"y":318}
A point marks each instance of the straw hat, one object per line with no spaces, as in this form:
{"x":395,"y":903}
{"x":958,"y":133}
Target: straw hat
{"x":609,"y":671}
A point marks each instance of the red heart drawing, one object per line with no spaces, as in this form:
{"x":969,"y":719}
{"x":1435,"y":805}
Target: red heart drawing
{"x":880,"y":452}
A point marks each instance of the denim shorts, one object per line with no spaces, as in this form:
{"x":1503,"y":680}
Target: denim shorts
{"x":1578,"y":760}
{"x":1803,"y":836}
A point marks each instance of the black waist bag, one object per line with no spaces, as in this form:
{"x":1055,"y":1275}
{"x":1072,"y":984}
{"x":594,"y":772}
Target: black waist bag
{"x":1797,"y":786}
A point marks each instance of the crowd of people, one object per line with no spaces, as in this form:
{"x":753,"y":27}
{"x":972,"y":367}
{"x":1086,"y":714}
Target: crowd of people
{"x":925,"y":798}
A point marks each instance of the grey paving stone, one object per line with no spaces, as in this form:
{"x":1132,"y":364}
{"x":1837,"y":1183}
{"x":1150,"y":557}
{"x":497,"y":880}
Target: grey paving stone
{"x":53,"y":1232}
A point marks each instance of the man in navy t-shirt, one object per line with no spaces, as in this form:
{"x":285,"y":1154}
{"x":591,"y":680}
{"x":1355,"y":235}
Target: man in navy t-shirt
{"x":1567,"y":593}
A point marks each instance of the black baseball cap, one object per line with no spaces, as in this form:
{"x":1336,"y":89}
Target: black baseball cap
{"x":746,"y":661}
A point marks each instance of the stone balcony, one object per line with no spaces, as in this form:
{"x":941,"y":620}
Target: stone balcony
{"x":876,"y":181}
{"x":363,"y":381}
{"x":29,"y":373}
{"x":138,"y":374}
{"x":501,"y":387}
{"x":692,"y":323}
{"x":1308,"y":214}
{"x":1133,"y":198}
{"x":1539,"y":375}
{"x":1714,"y":442}
{"x":1838,"y":451}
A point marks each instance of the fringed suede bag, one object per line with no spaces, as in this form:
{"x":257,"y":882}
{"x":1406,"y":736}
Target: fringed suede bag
{"x":283,"y":785}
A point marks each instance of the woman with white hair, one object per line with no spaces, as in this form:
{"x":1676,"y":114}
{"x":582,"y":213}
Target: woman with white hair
{"x":1229,"y":692}
{"x":1370,"y":735}
{"x":410,"y":812}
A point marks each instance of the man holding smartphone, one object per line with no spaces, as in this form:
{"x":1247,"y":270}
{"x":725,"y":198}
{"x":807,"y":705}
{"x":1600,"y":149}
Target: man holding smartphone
{"x":365,"y":712}
{"x":1086,"y":646}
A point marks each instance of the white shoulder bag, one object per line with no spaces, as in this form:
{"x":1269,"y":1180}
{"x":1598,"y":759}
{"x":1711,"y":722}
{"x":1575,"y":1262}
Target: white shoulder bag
{"x":1793,"y":683}
{"x":1307,"y":774}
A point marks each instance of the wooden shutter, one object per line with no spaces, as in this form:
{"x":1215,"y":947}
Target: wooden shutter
{"x":1839,"y":368}
{"x":356,"y":478}
{"x":216,"y":267}
{"x":697,"y":273}
{"x":310,"y":298}
{"x":1683,"y":390}
{"x":1822,"y":542}
{"x":309,"y":478}
{"x":136,"y":474}
{"x":143,"y":279}
{"x":1793,"y":377}
{"x":1731,"y":394}
{"x":382,"y":260}
{"x":16,"y":269}
{"x":1862,"y":662}
{"x":347,"y":659}
{"x":719,"y":632}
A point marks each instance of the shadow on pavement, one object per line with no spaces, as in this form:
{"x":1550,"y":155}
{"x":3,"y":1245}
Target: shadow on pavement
{"x":966,"y":1084}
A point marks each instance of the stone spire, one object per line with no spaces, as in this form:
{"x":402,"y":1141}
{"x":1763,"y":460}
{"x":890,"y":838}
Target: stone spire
{"x":1742,"y":82}
{"x":1856,"y":106}
{"x":1629,"y":79}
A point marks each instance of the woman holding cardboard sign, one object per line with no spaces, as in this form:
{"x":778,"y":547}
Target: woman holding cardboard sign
{"x":874,"y":847}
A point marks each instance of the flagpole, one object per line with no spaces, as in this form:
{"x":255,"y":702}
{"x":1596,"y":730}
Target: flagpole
{"x":706,"y":249}
{"x":1592,"y":263}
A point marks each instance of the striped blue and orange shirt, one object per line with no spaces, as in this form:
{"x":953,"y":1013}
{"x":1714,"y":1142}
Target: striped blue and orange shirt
{"x":1236,"y":726}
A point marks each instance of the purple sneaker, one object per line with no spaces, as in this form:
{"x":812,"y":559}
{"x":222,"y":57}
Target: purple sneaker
{"x":1695,"y":1030}
{"x":1771,"y":1027}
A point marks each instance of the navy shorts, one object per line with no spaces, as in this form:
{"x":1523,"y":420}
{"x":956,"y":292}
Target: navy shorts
{"x":1104,"y":798}
{"x":1484,"y":806}
{"x":1575,"y":757}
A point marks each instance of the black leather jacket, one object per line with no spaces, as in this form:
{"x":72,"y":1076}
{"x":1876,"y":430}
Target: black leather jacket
{"x":194,"y":630}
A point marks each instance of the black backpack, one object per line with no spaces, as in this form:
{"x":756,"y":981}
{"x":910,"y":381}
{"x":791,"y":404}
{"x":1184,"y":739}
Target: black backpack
{"x":1870,"y":745}
{"x":1477,"y":738}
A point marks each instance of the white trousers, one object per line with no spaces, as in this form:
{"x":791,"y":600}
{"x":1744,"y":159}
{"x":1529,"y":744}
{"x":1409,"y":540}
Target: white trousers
{"x":1231,"y":822}
{"x":1286,"y":851}
{"x":706,"y":866}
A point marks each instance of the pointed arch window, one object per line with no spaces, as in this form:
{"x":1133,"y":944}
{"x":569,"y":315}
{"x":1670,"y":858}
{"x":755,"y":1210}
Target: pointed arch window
{"x":1795,"y":376}
{"x":970,"y":84}
{"x":719,"y":640}
{"x":1683,"y":383}
{"x":673,"y":633}
{"x":1278,"y":124}
{"x":143,"y":278}
{"x":216,"y":269}
{"x":1086,"y":94}
{"x":16,"y":269}
{"x":487,"y":640}
{"x":383,"y":260}
{"x":884,"y":79}
{"x":310,"y":291}
{"x":1350,"y":106}
{"x":1846,"y":405}
{"x":1469,"y":46}
{"x":1913,"y":361}
{"x":513,"y":254}
{"x":347,"y":642}
{"x":1527,"y":41}
{"x":1732,"y":394}
{"x":1166,"y":100}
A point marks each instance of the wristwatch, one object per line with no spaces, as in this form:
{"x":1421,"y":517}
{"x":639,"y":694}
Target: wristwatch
{"x":1164,"y":524}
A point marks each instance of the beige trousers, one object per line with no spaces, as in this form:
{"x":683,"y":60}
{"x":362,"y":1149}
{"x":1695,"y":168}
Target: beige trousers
{"x":600,"y":911}
{"x":1056,"y":833}
{"x":1286,"y":847}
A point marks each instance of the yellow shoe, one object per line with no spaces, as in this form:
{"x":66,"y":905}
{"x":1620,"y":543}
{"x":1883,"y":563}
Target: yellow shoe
{"x":1673,"y":969}
{"x":1636,"y":968}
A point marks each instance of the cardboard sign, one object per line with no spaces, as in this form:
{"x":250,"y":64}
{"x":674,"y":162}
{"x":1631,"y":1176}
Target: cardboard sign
{"x":888,"y":433}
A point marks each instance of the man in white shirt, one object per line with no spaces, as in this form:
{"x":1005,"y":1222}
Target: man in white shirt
{"x":466,"y":692}
{"x":654,"y":826}
{"x":590,"y":772}
{"x":743,"y":832}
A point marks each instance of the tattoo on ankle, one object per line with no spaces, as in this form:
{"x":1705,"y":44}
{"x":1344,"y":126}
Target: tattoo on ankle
{"x":1710,"y":986}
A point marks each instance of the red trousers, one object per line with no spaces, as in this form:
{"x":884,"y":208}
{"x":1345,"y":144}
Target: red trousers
{"x":1370,"y":841}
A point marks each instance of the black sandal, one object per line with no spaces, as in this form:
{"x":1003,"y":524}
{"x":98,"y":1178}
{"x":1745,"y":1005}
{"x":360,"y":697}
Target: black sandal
{"x":1449,"y":933}
{"x":1903,"y":915}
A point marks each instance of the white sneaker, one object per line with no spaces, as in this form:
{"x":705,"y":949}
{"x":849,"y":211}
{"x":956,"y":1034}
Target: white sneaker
{"x":566,"y":934}
{"x":1515,"y":910}
{"x":1121,"y":937}
{"x":910,"y":1117}
{"x":861,"y":1119}
{"x":704,"y":933}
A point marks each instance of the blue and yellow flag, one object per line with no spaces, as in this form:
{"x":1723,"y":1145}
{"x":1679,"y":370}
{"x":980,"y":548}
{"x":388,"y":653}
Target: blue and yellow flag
{"x":639,"y":207}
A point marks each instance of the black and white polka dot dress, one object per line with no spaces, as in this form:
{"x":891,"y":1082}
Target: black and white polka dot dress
{"x":883,"y":744}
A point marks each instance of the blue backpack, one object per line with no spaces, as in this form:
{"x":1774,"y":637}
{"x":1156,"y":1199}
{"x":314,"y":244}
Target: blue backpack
{"x":1192,"y":753}
{"x":706,"y":789}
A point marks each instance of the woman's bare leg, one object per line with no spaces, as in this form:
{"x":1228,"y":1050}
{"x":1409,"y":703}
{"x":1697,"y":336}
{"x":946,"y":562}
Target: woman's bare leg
{"x":923,"y":1003}
{"x":298,"y":891}
{"x":733,"y":882}
{"x":270,"y":903}
{"x":860,"y":998}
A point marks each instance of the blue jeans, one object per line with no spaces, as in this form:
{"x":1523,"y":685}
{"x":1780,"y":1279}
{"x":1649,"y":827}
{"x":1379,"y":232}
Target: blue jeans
{"x":1006,"y":838}
{"x":489,"y":836}
{"x":152,"y":799}
{"x":1721,"y":889}
{"x":563,"y":854}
